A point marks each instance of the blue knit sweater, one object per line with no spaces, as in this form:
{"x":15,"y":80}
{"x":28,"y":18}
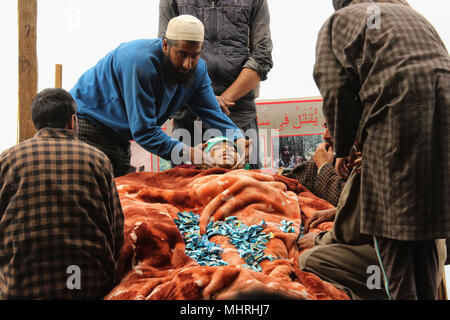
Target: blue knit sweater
{"x":126,"y":93}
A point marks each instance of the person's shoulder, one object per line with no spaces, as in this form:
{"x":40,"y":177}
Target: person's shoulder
{"x":90,"y":151}
{"x":258,"y":3}
{"x":353,"y":16}
{"x":6,"y":154}
{"x":139,"y":43}
{"x":97,"y":158}
{"x":327,"y":25}
{"x":139,"y":51}
{"x":367,"y":9}
{"x":19,"y":155}
{"x":349,"y":12}
{"x":18,"y":148}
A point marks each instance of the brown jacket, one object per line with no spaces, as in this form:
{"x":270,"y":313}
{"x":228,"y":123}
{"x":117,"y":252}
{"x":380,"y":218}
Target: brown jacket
{"x":389,"y":80}
{"x":60,"y":216}
{"x":326,"y":184}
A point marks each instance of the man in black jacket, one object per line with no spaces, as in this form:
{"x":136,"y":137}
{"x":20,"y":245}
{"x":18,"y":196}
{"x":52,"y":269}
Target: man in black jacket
{"x":238,"y":52}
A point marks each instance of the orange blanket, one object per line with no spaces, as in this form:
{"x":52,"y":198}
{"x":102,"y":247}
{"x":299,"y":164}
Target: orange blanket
{"x":153,"y":261}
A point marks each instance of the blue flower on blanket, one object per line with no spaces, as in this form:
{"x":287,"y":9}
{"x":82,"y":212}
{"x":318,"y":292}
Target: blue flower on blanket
{"x":198,"y":247}
{"x":287,"y":227}
{"x":250,"y":242}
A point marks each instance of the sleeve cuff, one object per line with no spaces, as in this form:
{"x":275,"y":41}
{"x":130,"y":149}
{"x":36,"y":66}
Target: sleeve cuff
{"x":252,"y":64}
{"x":323,"y":165}
{"x":324,"y":237}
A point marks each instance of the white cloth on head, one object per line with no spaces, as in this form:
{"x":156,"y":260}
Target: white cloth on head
{"x":185,"y":27}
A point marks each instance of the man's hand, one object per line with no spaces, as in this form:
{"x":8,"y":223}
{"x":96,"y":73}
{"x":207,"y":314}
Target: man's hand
{"x":225,"y":104}
{"x":345,"y":165}
{"x":318,"y":217}
{"x":307,"y":241}
{"x":324,"y":153}
{"x":341,"y":167}
{"x":355,"y":162}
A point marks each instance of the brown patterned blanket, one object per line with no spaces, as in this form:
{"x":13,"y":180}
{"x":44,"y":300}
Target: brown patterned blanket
{"x":211,"y":234}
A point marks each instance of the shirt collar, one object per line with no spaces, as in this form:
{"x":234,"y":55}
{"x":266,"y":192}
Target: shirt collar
{"x":55,"y":133}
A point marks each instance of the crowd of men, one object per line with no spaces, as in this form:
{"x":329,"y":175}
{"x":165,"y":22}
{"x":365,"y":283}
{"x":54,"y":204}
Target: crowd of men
{"x":384,"y":163}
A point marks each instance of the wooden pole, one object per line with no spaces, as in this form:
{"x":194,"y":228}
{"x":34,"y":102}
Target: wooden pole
{"x":58,"y":76}
{"x":28,"y":75}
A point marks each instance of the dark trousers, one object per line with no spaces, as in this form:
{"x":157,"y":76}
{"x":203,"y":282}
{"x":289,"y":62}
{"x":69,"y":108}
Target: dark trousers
{"x":186,"y":120}
{"x":118,"y":152}
{"x":346,"y":267}
{"x":412,"y":268}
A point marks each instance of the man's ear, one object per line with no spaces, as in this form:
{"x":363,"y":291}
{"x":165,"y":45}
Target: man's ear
{"x":72,"y":122}
{"x":165,"y":46}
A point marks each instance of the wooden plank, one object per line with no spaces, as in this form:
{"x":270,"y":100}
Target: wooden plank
{"x":58,"y":76}
{"x":28,"y":74}
{"x":442,"y":289}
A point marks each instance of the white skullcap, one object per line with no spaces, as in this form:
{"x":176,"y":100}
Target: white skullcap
{"x":185,"y":27}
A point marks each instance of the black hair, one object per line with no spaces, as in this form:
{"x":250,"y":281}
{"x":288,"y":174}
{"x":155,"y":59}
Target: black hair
{"x":52,"y":108}
{"x":172,"y":43}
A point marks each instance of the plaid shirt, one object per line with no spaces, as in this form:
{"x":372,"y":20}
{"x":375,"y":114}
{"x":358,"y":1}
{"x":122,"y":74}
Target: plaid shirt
{"x":59,"y":209}
{"x":326,"y":184}
{"x":388,"y":79}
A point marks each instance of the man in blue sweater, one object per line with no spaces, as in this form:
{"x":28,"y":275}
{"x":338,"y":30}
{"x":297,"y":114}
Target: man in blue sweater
{"x":135,"y":88}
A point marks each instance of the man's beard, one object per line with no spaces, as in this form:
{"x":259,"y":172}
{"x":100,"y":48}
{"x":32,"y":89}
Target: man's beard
{"x":173,"y":76}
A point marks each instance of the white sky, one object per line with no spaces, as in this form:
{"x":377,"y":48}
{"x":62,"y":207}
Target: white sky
{"x":77,"y":33}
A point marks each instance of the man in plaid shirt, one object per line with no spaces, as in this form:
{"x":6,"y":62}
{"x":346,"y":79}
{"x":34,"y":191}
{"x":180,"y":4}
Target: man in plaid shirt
{"x":61,"y":222}
{"x":318,"y":174}
{"x":384,"y":73}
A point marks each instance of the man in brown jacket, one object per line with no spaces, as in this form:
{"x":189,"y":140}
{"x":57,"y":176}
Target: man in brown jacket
{"x":384,"y":73}
{"x":61,"y":221}
{"x":318,"y":175}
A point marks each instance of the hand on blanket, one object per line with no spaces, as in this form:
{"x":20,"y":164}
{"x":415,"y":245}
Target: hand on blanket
{"x":307,"y":241}
{"x":317,"y":217}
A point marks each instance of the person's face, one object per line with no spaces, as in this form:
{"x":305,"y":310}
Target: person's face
{"x":182,"y":58}
{"x":224,"y":155}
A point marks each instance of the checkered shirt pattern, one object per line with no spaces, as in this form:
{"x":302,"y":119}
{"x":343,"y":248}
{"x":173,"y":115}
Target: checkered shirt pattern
{"x":59,"y":207}
{"x":329,"y":184}
{"x":326,"y":184}
{"x":390,"y":83}
{"x":118,"y":152}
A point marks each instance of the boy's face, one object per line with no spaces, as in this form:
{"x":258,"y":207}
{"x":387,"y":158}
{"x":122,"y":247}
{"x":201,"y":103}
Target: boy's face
{"x":224,"y":155}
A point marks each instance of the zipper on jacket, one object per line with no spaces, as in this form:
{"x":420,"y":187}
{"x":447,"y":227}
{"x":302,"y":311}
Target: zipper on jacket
{"x":213,"y":4}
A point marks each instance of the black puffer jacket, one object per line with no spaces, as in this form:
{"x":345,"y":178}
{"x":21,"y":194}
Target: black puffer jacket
{"x":237,"y":36}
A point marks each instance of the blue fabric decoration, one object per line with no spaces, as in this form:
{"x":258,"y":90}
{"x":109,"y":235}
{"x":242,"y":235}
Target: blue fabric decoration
{"x":250,"y":241}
